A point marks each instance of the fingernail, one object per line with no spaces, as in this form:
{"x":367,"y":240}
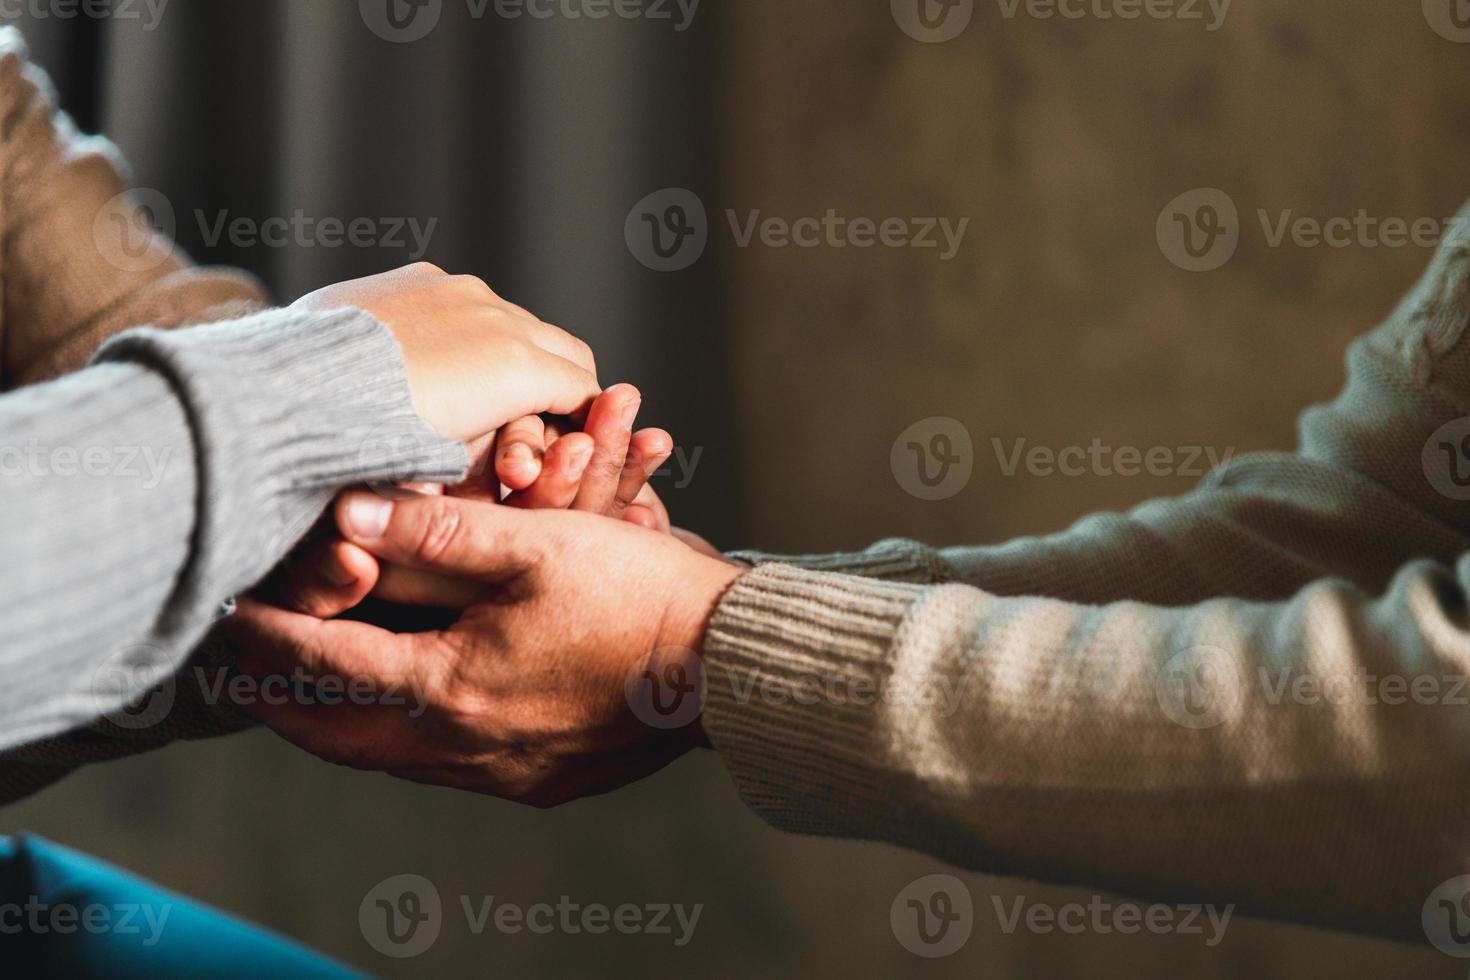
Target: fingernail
{"x":367,"y":516}
{"x":577,"y":465}
{"x":518,"y":453}
{"x":338,"y":574}
{"x":630,"y":413}
{"x":655,"y":464}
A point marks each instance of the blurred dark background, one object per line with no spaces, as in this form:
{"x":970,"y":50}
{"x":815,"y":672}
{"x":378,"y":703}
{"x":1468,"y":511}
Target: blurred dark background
{"x":788,"y":371}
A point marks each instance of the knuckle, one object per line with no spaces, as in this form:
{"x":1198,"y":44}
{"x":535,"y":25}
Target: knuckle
{"x":606,"y":467}
{"x":439,"y":533}
{"x":475,"y":286}
{"x":531,"y":428}
{"x":585,"y":352}
{"x":316,"y":604}
{"x":520,"y":355}
{"x":427,"y":270}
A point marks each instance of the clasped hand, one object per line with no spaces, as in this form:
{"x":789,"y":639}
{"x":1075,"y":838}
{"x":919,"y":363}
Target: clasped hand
{"x":562,"y":593}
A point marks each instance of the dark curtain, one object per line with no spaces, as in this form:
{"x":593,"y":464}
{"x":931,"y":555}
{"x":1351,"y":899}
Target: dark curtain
{"x":522,"y":143}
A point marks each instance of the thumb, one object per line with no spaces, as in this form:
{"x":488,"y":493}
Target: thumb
{"x":453,"y":535}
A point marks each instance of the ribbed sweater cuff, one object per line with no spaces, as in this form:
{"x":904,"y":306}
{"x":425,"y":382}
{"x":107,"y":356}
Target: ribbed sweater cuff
{"x":895,"y":560}
{"x":288,"y":408}
{"x":797,"y":667}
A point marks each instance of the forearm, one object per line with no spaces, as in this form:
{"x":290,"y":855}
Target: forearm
{"x":1262,"y":528}
{"x":1297,"y":759}
{"x":251,"y":427}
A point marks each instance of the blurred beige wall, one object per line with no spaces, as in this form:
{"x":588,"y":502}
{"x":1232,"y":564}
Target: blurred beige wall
{"x":1060,"y":321}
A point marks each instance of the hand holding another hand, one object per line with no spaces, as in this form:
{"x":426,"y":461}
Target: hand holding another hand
{"x":527,"y":694}
{"x":602,"y":470}
{"x":475,"y":362}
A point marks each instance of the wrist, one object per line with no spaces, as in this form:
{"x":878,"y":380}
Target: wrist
{"x":703,"y":582}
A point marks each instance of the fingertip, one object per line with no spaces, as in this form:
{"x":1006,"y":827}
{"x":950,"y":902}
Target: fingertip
{"x":362,"y":515}
{"x":623,"y":392}
{"x":614,"y":412}
{"x":518,"y":467}
{"x":653,"y":444}
{"x":641,"y":516}
{"x":361,"y":566}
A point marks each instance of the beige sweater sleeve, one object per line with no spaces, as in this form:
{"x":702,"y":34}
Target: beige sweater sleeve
{"x":77,"y":263}
{"x":1253,"y":694}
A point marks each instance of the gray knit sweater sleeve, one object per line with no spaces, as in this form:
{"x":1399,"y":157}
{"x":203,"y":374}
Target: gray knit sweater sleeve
{"x":1258,"y":693}
{"x":140,"y":494}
